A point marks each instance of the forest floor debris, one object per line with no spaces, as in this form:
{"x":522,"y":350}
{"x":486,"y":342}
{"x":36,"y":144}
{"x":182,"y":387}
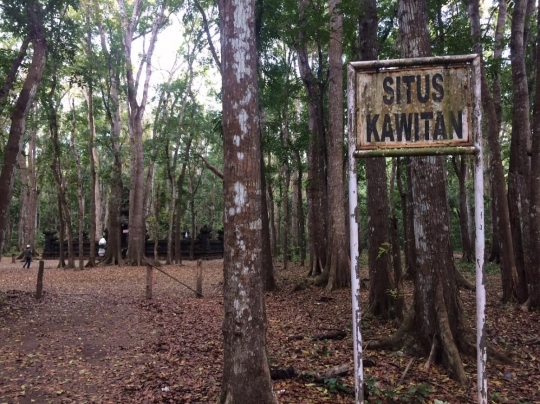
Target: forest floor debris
{"x":94,"y":338}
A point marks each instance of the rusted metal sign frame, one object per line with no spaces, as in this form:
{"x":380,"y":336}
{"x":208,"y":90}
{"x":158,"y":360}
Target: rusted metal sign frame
{"x":477,"y":150}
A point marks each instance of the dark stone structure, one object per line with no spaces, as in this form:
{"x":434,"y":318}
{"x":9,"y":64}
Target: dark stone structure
{"x":204,"y":247}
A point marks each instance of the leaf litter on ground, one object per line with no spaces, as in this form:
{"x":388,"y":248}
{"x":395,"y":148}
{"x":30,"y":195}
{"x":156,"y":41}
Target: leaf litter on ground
{"x":95,"y":338}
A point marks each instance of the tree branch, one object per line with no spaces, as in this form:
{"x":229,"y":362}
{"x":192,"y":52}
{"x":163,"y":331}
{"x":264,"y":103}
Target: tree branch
{"x":212,"y":168}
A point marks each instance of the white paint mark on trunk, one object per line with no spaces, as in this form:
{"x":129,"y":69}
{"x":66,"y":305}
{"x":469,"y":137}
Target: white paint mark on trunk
{"x":243,"y":122}
{"x":240,"y":196}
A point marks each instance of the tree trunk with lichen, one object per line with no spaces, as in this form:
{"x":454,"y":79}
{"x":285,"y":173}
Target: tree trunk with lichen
{"x":461,"y":169}
{"x":19,"y":114}
{"x":436,"y":319}
{"x":519,"y":169}
{"x":316,"y":181}
{"x":381,"y":302}
{"x":338,"y":271}
{"x":491,"y":107}
{"x":246,"y":376}
{"x":534,"y":277}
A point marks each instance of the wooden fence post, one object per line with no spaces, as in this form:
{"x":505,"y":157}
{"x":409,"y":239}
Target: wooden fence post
{"x":13,"y":258}
{"x":149,"y":280}
{"x":199,"y":279}
{"x":39,"y":286}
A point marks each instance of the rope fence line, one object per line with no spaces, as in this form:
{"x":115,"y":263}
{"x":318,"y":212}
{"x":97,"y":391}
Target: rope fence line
{"x":150,"y":280}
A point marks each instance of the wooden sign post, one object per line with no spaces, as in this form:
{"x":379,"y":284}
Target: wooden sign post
{"x":39,"y":284}
{"x":149,"y":280}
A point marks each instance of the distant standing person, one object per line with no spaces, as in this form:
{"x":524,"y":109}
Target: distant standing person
{"x":27,"y":256}
{"x":102,"y":244}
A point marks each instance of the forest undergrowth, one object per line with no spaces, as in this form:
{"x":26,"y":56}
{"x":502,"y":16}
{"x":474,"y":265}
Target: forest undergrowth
{"x":95,"y":338}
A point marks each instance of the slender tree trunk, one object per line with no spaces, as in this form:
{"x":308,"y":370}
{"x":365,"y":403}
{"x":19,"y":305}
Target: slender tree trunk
{"x":95,"y":205}
{"x":286,"y":217}
{"x":508,"y":268}
{"x":498,"y":48}
{"x":534,"y":273}
{"x":246,"y":376}
{"x":405,"y":208}
{"x":461,"y":172}
{"x":272,"y":218}
{"x":80,"y":197}
{"x":179,"y":207}
{"x":61,"y":236}
{"x":113,"y":254}
{"x":519,"y":167}
{"x":379,"y":251}
{"x":339,"y":273}
{"x":396,"y":250}
{"x":316,"y":185}
{"x":12,"y":74}
{"x":136,"y":235}
{"x":173,"y":199}
{"x":267,"y":262}
{"x":300,"y":217}
{"x":495,"y":250}
{"x":56,"y":166}
{"x":23,"y":205}
{"x":294,"y":212}
{"x":19,"y":114}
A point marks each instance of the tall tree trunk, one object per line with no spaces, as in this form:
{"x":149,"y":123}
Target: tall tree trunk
{"x":408,"y":232}
{"x":246,"y":376}
{"x":113,"y":254}
{"x":412,"y":264}
{"x":316,"y":184}
{"x":396,"y":250}
{"x":519,"y":167}
{"x":272,"y":215}
{"x":267,"y":262}
{"x":80,"y":196}
{"x":18,"y":117}
{"x":12,"y":74}
{"x":22,"y":241}
{"x":173,"y":199}
{"x":96,"y":227}
{"x":437,"y":310}
{"x":461,"y":172}
{"x":61,"y":235}
{"x":379,"y":251}
{"x":508,"y":267}
{"x":136,"y":235}
{"x":286,"y":169}
{"x":179,"y":207}
{"x":534,"y":273}
{"x":339,"y":274}
{"x":294,"y":212}
{"x":498,"y":48}
{"x":300,"y":206}
{"x":56,"y":167}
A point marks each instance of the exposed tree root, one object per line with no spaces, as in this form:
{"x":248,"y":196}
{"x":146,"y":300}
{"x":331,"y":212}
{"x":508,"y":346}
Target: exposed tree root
{"x":463,"y":282}
{"x":526,"y":306}
{"x":432,"y":353}
{"x":448,"y":345}
{"x":405,"y":371}
{"x":493,"y":354}
{"x":396,"y":340}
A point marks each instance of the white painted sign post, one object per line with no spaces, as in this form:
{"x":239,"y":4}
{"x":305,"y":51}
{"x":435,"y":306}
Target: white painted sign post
{"x":416,"y":107}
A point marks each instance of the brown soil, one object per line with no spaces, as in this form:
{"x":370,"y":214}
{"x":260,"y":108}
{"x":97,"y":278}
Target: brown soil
{"x":94,"y":338}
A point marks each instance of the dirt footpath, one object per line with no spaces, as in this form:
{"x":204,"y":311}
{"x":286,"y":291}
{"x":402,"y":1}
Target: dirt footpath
{"x":88,"y":336}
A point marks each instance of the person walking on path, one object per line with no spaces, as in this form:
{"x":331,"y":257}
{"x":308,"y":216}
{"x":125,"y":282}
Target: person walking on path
{"x":27,"y":256}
